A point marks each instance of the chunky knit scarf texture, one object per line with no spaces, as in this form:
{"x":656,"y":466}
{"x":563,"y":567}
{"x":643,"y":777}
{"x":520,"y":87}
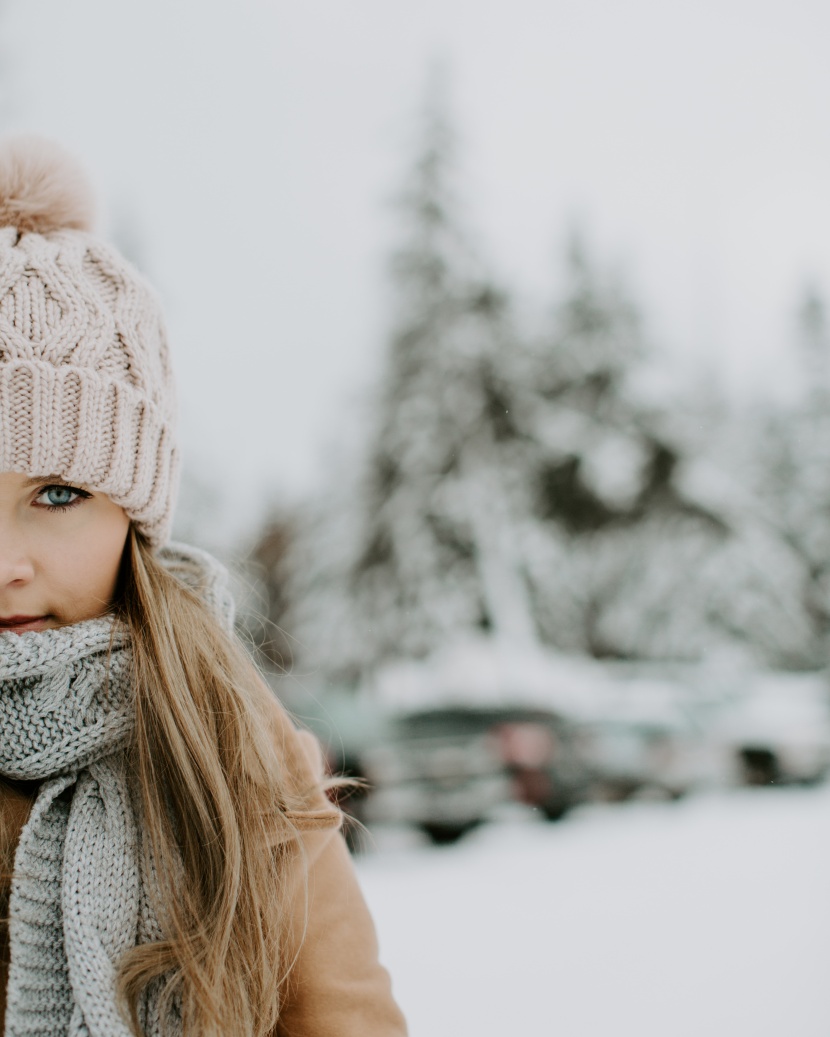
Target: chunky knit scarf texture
{"x":81,"y":894}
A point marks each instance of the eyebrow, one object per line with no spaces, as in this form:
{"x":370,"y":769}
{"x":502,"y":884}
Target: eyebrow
{"x":42,"y":480}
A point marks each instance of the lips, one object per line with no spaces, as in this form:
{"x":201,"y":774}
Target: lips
{"x":21,"y":624}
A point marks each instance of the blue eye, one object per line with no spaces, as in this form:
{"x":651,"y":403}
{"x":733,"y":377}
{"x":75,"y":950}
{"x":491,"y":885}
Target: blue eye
{"x":60,"y":497}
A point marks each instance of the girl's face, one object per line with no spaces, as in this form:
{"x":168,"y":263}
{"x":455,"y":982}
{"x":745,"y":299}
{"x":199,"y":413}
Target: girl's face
{"x":60,"y":551}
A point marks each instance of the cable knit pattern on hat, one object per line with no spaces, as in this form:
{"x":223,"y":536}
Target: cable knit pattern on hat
{"x":81,"y":893}
{"x":86,"y":388}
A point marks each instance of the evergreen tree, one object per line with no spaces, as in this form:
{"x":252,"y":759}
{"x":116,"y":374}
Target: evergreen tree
{"x":603,"y":464}
{"x":814,"y":341}
{"x":788,"y":458}
{"x":634,"y":556}
{"x":530,"y":491}
{"x":437,"y":554}
{"x":431,"y":547}
{"x":267,"y":600}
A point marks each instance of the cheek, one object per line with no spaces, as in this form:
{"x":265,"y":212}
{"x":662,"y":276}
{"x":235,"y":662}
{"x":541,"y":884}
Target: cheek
{"x":89,"y":572}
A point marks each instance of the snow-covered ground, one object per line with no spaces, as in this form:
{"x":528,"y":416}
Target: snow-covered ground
{"x":709,"y":916}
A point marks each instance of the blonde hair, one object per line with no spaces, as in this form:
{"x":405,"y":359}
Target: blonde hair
{"x":221,"y":810}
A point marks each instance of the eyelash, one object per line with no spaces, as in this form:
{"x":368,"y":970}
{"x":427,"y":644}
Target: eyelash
{"x":81,"y":496}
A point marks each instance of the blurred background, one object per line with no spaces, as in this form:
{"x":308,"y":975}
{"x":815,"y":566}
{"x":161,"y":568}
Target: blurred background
{"x":503,"y":345}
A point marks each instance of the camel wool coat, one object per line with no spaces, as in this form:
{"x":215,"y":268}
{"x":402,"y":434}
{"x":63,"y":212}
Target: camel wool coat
{"x":337,"y":988}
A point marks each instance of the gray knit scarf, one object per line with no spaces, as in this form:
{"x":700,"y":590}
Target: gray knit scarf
{"x":80,"y":894}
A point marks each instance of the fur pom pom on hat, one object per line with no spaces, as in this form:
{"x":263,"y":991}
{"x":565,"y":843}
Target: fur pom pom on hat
{"x":42,"y":188}
{"x":86,"y":389}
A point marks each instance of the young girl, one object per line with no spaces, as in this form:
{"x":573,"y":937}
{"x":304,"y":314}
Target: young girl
{"x":170,"y":862}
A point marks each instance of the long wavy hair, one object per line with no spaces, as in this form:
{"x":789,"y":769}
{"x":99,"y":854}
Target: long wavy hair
{"x":225,"y":794}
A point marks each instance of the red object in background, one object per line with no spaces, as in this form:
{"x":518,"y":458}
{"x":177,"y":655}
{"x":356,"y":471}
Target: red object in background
{"x":531,"y":786}
{"x":526,"y":744}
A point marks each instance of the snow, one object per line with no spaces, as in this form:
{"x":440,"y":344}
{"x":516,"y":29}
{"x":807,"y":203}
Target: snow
{"x":642,"y":920}
{"x":479,"y":670}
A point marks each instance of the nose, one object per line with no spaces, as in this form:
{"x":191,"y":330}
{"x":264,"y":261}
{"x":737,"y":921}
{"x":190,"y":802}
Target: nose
{"x":16,"y":564}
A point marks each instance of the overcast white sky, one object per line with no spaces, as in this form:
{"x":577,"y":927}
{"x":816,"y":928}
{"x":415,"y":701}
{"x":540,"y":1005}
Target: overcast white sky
{"x":251,"y":149}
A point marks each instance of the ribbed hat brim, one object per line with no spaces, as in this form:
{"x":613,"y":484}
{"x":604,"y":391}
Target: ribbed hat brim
{"x":86,"y":428}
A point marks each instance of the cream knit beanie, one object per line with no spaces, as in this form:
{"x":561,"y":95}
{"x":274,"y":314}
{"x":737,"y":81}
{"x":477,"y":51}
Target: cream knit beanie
{"x":86,"y":390}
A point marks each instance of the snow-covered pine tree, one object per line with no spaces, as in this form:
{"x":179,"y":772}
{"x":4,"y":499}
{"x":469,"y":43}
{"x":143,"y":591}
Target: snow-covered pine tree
{"x":645,"y":546}
{"x":430,"y":548}
{"x":788,"y":461}
{"x":602,"y":462}
{"x":813,"y":334}
{"x":533,"y":491}
{"x":437,"y":555}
